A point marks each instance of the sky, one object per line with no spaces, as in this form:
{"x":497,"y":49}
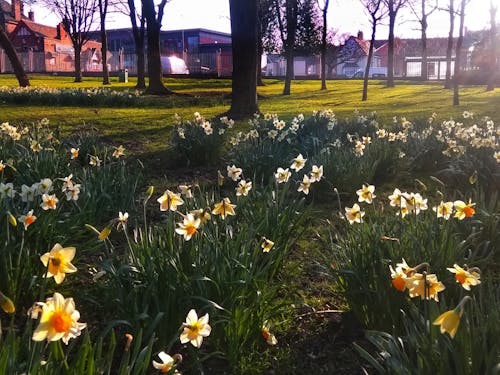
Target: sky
{"x":347,"y":16}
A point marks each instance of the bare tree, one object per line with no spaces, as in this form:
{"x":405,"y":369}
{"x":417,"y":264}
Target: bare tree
{"x":77,"y":17}
{"x":393,"y":7}
{"x":10,"y":50}
{"x":458,"y":52}
{"x":288,"y":32}
{"x":422,"y":17}
{"x":449,"y":47}
{"x":493,"y":75}
{"x":103,"y":11}
{"x":324,"y":33}
{"x":138,"y":23}
{"x":244,"y":34}
{"x":266,"y":36}
{"x":153,"y":20}
{"x":376,"y":11}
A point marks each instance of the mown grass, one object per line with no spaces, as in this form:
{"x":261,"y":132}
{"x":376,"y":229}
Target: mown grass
{"x":146,"y":128}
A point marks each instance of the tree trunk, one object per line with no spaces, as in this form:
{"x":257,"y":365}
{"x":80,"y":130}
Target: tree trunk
{"x":291,"y":28}
{"x":244,"y":45}
{"x":456,"y":99}
{"x":78,"y":63}
{"x":323,"y":46}
{"x":390,"y":48}
{"x":424,"y":74}
{"x":141,"y":66}
{"x":449,"y":47}
{"x":7,"y":45}
{"x":369,"y":62}
{"x":493,"y":49}
{"x":156,"y":86}
{"x":104,"y":53}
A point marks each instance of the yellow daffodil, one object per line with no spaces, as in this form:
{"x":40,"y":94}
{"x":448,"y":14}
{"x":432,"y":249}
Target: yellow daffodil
{"x":354,"y":214}
{"x":243,"y":188}
{"x":104,"y":234}
{"x":282,"y":175}
{"x":95,"y":161}
{"x":49,"y":202}
{"x":463,"y":210}
{"x":188,"y":227}
{"x":365,"y":194}
{"x":12,"y":219}
{"x":400,"y":275}
{"x":224,"y":208}
{"x":444,"y":210}
{"x":59,"y":320}
{"x":268,"y":336}
{"x":359,"y":148}
{"x":267,"y":245}
{"x":169,"y":201}
{"x":36,"y":146}
{"x":27,"y":219}
{"x":316,"y":173}
{"x":167,"y":364}
{"x":466,"y":278}
{"x":119,"y":151}
{"x":234,"y":172}
{"x":195,"y":329}
{"x":58,"y":262}
{"x":305,"y":185}
{"x":425,"y":286}
{"x":74,"y":152}
{"x":7,"y":304}
{"x":450,"y":320}
{"x":298,"y":163}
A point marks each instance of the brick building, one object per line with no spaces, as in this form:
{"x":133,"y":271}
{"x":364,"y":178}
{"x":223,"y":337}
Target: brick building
{"x":43,"y":48}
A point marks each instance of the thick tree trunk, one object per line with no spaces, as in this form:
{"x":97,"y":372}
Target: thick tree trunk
{"x":493,"y":75}
{"x":104,"y":53}
{"x":78,"y":63}
{"x":369,"y":62}
{"x":156,"y":86}
{"x":291,"y":28}
{"x":390,"y":50}
{"x":141,"y":66}
{"x":456,"y":99}
{"x":323,"y":46}
{"x":6,"y":44}
{"x":424,"y":74}
{"x":244,"y":45}
{"x":449,"y":47}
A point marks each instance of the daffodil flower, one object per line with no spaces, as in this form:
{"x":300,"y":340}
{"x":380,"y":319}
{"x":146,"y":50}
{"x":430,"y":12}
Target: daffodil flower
{"x":169,"y":201}
{"x":282,"y":175}
{"x":466,"y":278}
{"x":243,"y":188}
{"x":365,"y":194}
{"x":58,"y":262}
{"x":59,"y":320}
{"x":224,"y":208}
{"x":463,"y":210}
{"x":27,"y":219}
{"x":167,"y":364}
{"x":444,"y":210}
{"x":267,"y":245}
{"x":188,"y":227}
{"x":267,"y":335}
{"x":195,"y":329}
{"x":305,"y":185}
{"x":449,"y":321}
{"x":354,"y":214}
{"x":298,"y":163}
{"x":425,"y":286}
{"x":316,"y":173}
{"x":49,"y":202}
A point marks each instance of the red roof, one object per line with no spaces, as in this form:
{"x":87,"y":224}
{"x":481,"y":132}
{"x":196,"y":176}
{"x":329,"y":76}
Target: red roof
{"x":41,"y":30}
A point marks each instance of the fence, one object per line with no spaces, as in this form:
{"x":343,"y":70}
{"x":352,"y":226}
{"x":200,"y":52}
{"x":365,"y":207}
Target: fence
{"x":217,"y":63}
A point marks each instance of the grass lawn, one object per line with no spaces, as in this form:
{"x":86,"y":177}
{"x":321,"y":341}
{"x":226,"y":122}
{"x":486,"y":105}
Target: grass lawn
{"x":146,"y":128}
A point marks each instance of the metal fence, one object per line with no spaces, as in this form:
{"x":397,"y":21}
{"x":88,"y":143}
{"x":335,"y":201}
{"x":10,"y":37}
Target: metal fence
{"x":211,"y":63}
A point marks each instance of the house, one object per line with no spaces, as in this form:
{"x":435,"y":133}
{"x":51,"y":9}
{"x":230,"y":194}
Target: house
{"x":43,"y":48}
{"x":353,"y":56}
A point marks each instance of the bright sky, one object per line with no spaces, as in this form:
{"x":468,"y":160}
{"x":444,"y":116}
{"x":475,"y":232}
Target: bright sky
{"x":345,"y":15}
